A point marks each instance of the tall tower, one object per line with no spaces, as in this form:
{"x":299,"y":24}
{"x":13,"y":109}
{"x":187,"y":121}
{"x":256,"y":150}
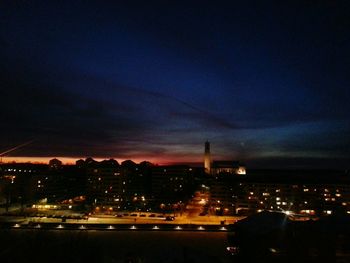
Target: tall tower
{"x":207,"y":158}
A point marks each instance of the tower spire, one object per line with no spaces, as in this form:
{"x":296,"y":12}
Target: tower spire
{"x":207,"y":157}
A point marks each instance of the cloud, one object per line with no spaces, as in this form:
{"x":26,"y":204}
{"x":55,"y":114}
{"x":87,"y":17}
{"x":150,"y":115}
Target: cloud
{"x":60,"y":121}
{"x":124,"y":82}
{"x":64,"y":122}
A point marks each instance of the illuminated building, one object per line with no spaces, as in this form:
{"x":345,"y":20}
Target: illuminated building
{"x":137,"y":184}
{"x":220,"y":167}
{"x":313,"y":193}
{"x":227,"y":167}
{"x":105,"y":182}
{"x":118,"y":187}
{"x":31,"y":182}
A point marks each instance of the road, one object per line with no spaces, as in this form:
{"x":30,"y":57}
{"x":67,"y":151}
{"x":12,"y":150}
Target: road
{"x":190,"y":215}
{"x":103,"y":219}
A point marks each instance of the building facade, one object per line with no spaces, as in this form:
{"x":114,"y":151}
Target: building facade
{"x":306,"y":194}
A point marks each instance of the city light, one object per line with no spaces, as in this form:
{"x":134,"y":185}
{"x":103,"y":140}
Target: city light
{"x":182,"y":132}
{"x":273,"y":250}
{"x":222,"y":200}
{"x":233,"y":250}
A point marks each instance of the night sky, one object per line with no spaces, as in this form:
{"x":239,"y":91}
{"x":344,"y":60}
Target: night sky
{"x":267,"y":84}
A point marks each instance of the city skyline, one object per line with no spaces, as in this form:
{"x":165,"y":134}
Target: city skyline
{"x":72,"y":161}
{"x":265,"y":84}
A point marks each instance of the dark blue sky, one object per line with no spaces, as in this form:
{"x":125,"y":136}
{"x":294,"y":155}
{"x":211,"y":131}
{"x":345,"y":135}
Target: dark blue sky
{"x":267,"y":84}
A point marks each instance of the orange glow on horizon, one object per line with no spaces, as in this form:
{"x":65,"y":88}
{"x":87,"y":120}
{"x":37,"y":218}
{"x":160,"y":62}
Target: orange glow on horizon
{"x":72,"y":160}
